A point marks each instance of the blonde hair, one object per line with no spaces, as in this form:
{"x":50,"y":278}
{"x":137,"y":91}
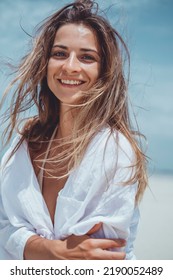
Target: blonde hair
{"x":105,"y":104}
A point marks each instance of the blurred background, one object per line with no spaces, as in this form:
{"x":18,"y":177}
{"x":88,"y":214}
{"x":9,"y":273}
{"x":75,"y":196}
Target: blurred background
{"x":147,"y":27}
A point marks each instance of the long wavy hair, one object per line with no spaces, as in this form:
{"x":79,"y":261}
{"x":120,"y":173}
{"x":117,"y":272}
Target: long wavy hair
{"x":106,"y":103}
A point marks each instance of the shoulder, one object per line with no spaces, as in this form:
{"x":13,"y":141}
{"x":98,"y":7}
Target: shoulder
{"x":16,"y":169}
{"x":112,"y":144}
{"x":13,"y":156}
{"x":18,"y":146}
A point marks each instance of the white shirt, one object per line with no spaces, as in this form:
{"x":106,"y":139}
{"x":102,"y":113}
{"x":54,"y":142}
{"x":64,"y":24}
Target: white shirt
{"x":92,"y":194}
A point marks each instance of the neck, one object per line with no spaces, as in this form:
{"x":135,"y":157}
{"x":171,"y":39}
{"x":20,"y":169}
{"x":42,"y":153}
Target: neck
{"x":65,"y":122}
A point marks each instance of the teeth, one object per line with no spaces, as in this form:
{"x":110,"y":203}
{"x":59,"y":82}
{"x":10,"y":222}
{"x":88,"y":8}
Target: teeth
{"x":71,"y":82}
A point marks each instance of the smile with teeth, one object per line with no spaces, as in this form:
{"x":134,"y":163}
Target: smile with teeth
{"x":71,"y":82}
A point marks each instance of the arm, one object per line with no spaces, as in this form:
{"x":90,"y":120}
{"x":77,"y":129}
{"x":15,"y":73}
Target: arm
{"x":22,"y":242}
{"x":74,"y":247}
{"x":12,"y":239}
{"x":14,"y":230}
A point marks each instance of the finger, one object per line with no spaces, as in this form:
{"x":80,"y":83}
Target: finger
{"x":106,"y":243}
{"x":94,"y":228}
{"x":107,"y":255}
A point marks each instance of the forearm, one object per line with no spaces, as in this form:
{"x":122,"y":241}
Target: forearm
{"x":38,"y":248}
{"x":73,"y":248}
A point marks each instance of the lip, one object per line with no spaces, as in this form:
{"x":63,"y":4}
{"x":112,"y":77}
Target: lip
{"x":81,"y":82}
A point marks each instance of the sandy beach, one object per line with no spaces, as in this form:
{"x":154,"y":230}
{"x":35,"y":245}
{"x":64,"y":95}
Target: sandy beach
{"x":155,"y":233}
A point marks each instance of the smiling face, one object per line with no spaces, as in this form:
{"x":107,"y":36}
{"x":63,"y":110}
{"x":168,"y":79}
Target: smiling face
{"x":74,"y":64}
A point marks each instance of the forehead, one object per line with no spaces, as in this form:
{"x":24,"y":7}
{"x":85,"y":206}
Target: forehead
{"x":76,"y":34}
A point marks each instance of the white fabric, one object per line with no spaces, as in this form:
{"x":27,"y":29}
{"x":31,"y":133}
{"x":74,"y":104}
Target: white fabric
{"x":88,"y":197}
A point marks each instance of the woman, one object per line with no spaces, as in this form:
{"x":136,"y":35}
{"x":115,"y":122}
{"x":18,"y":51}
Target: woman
{"x":72,"y":179}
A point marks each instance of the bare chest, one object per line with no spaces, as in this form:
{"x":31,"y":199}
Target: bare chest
{"x":50,"y":190}
{"x":50,"y":184}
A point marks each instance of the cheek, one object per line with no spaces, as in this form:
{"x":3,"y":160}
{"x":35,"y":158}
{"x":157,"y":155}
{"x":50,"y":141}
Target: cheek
{"x":95,"y":73}
{"x":50,"y":76}
{"x":50,"y":67}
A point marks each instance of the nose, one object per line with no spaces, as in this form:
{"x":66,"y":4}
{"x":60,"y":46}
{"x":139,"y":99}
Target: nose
{"x":71,"y":64}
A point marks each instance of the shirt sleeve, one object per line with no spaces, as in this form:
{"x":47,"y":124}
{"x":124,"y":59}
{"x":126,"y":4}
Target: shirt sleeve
{"x":12,"y":239}
{"x":13,"y":236}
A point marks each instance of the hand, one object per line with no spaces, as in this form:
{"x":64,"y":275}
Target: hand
{"x":85,"y":248}
{"x":74,"y":248}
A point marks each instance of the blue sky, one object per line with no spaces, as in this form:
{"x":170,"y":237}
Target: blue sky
{"x":147,"y":26}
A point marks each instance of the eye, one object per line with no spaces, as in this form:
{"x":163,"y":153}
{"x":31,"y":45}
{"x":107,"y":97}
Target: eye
{"x":59,"y":54}
{"x":88,"y":58}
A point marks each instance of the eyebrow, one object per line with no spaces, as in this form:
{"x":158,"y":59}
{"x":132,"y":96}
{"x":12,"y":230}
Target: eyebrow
{"x":82,"y":49}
